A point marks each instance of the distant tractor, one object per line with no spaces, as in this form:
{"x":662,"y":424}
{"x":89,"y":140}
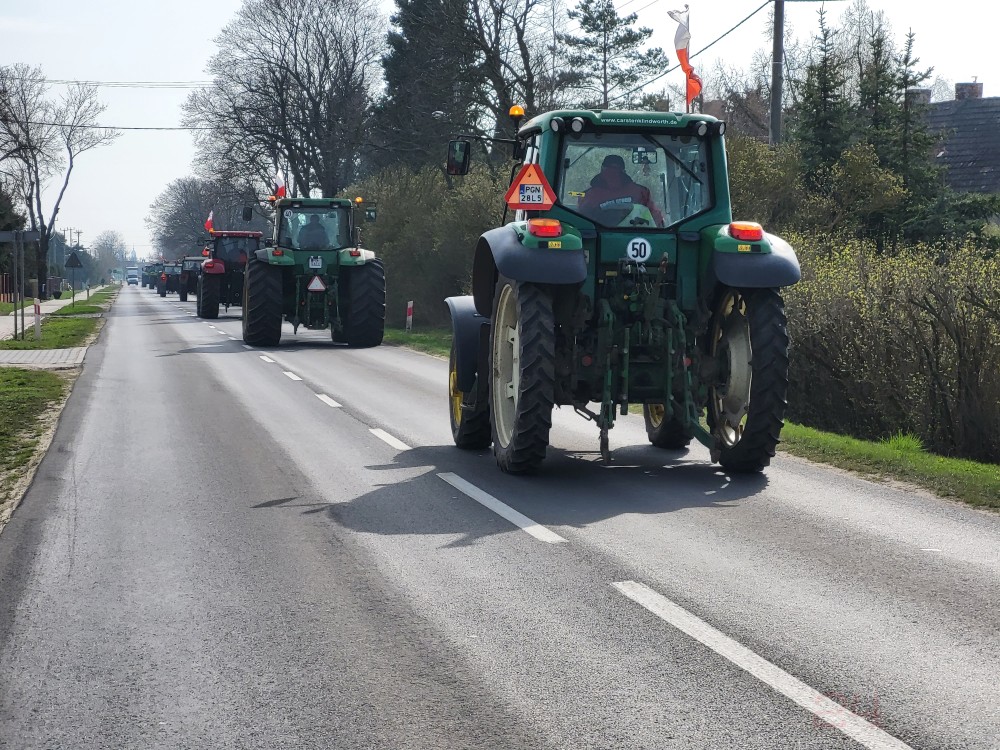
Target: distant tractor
{"x":155,"y":271}
{"x":149,"y":276}
{"x":623,"y":279}
{"x":169,"y":278}
{"x":220,"y":281}
{"x":188,"y":282}
{"x":313,"y":272}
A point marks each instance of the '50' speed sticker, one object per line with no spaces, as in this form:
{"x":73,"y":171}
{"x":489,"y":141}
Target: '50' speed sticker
{"x":638,"y":249}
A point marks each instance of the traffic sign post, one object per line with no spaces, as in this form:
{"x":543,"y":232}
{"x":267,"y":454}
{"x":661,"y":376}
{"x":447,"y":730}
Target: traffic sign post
{"x":38,"y":319}
{"x":409,"y":316}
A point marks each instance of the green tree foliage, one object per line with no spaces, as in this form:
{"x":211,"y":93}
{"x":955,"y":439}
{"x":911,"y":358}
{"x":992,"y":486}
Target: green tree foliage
{"x":822,"y":121}
{"x":608,"y":56}
{"x":426,"y":233}
{"x":431,"y":80}
{"x":910,"y":342}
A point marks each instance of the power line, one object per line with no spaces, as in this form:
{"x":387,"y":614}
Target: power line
{"x":116,"y":127}
{"x":122,"y":84}
{"x":691,"y":57}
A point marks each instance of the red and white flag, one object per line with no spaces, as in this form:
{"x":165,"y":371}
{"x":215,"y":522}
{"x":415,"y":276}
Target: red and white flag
{"x":209,"y":223}
{"x":279,"y":185}
{"x":681,"y":41}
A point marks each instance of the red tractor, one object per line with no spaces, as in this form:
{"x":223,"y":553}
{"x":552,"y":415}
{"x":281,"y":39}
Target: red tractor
{"x":221,"y":279}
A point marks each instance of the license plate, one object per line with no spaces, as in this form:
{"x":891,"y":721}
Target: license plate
{"x":315,"y":262}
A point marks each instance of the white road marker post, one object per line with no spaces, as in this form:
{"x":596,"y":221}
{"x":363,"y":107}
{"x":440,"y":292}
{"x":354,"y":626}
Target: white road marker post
{"x":38,"y":319}
{"x":409,"y":316}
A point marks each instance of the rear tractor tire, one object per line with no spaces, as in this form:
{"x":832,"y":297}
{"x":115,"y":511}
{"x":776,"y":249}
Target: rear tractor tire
{"x":363,"y":315}
{"x":161,"y":289}
{"x":262,"y":301}
{"x":746,"y":406}
{"x":522,"y":374}
{"x":662,"y":431}
{"x":183,"y":294}
{"x":470,"y":425}
{"x":208,"y":297}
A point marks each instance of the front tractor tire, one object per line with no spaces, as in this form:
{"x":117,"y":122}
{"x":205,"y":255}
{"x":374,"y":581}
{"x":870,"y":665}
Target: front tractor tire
{"x":663,"y":431}
{"x":161,"y":289}
{"x":522,"y":374}
{"x":208,"y":297}
{"x":748,"y":337}
{"x":183,"y":293}
{"x":362,"y":288}
{"x":262,"y":300}
{"x":470,"y":425}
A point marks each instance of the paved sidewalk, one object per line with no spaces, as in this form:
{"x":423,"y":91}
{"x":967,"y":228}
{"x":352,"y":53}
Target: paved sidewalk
{"x":43,"y":358}
{"x":47,"y":307}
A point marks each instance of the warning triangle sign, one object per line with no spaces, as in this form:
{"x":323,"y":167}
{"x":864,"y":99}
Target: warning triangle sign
{"x":316,"y":285}
{"x":530,"y":190}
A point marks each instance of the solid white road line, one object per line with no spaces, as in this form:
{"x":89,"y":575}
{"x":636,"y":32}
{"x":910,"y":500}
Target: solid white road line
{"x":327,"y":400}
{"x":290,"y":375}
{"x":387,"y":438}
{"x":266,"y":359}
{"x":855,"y":727}
{"x":502,"y":509}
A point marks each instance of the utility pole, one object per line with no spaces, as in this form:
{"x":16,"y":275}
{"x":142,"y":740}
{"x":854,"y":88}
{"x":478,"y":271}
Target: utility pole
{"x":777,"y":71}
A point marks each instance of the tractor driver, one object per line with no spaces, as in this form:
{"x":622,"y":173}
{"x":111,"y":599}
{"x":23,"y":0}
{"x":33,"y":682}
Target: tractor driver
{"x":313,"y":236}
{"x":613,"y":195}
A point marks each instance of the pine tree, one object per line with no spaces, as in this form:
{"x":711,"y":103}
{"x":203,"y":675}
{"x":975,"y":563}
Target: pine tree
{"x":431,"y":80}
{"x":608,"y":57}
{"x":822,"y":122}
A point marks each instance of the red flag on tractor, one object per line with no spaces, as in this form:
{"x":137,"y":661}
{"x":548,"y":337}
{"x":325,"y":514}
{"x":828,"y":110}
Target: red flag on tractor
{"x":279,"y":185}
{"x":682,"y":39}
{"x":209,"y":223}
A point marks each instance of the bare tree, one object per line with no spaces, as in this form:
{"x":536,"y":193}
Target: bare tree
{"x":41,"y":139}
{"x":293,"y":87}
{"x":177,"y":217}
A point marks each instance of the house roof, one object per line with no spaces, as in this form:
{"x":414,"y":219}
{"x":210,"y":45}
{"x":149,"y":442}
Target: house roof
{"x":970,"y":144}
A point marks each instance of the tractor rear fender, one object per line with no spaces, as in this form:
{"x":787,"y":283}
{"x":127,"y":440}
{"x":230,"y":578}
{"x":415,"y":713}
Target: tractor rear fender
{"x":778,"y":268}
{"x":266,"y":255}
{"x":466,"y":326}
{"x":213,"y":266}
{"x":499,"y":251}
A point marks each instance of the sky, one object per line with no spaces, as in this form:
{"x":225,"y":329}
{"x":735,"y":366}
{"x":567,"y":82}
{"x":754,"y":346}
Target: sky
{"x":112,"y":188}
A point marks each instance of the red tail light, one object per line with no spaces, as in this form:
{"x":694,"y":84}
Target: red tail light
{"x":210,"y":264}
{"x":163,"y":277}
{"x":205,"y":252}
{"x":354,"y":253}
{"x":747,"y":231}
{"x":277,"y":252}
{"x":544,"y":227}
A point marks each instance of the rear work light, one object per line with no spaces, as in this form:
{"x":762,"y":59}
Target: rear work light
{"x":544,"y":227}
{"x":748,"y":231}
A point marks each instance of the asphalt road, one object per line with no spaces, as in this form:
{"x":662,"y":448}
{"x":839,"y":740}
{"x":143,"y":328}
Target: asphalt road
{"x":236,"y":548}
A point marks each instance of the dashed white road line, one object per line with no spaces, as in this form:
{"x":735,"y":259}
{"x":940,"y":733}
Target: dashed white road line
{"x":246,"y":346}
{"x":210,"y":325}
{"x":266,"y":359}
{"x":232,"y":338}
{"x":387,"y":438}
{"x":327,"y":400}
{"x":502,"y":509}
{"x":290,"y":375}
{"x":222,"y":333}
{"x":855,"y":727}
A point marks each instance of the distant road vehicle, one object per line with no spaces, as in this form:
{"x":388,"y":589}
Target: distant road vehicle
{"x":132,"y":275}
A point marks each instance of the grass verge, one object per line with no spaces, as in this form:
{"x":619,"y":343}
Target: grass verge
{"x":57,"y":333}
{"x":77,"y":310}
{"x":899,"y":458}
{"x":26,"y":397}
{"x":435,"y":341}
{"x":6,"y":308}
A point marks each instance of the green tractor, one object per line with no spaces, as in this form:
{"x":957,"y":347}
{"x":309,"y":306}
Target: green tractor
{"x":188,"y":282}
{"x":622,"y":279}
{"x":314,"y":273}
{"x":150,"y":273}
{"x":221,"y":281}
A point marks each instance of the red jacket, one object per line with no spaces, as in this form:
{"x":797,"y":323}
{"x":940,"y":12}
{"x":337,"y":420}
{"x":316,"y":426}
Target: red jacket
{"x":602,"y":195}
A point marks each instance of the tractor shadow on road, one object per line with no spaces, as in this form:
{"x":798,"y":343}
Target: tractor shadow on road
{"x":571,"y":489}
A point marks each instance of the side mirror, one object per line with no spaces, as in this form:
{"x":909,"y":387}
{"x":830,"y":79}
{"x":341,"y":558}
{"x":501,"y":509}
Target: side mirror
{"x":370,"y":213}
{"x":268,"y":242}
{"x":459,"y":153}
{"x":248,"y":213}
